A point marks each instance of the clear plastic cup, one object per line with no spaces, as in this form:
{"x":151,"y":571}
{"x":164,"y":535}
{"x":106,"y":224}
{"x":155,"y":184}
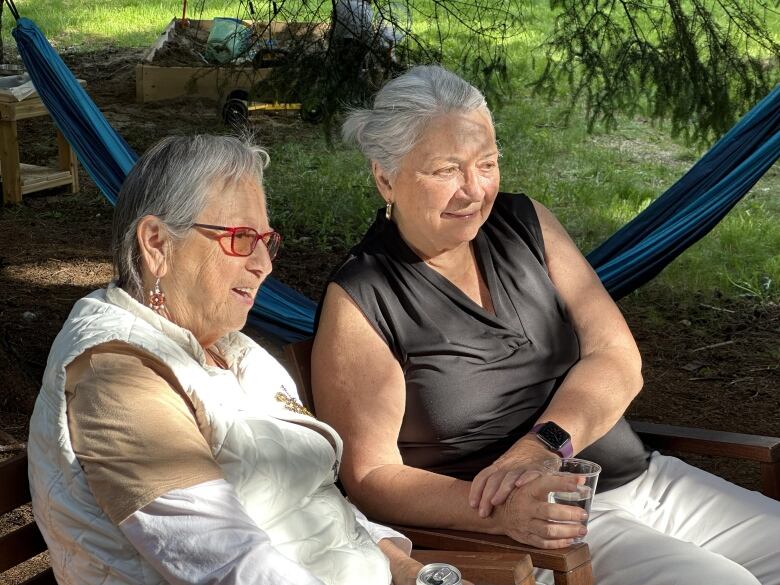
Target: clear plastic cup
{"x":587,"y":474}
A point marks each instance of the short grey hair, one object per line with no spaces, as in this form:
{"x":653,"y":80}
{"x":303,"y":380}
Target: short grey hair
{"x":402,"y":109}
{"x":172,"y":181}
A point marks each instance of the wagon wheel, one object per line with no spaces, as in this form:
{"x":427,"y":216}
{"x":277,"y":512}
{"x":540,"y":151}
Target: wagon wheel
{"x":311,"y":111}
{"x":235,"y":112}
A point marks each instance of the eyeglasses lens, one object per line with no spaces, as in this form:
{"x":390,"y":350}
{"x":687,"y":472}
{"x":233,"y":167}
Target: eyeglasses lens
{"x":244,"y":241}
{"x":273,"y":242}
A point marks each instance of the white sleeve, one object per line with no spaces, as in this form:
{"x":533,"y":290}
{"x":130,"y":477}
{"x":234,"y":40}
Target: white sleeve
{"x":202,"y":535}
{"x":378,"y":532}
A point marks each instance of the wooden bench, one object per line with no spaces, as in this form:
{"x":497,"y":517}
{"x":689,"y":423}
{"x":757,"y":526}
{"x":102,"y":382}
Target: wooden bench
{"x":494,"y":567}
{"x":25,"y":542}
{"x":572,"y":565}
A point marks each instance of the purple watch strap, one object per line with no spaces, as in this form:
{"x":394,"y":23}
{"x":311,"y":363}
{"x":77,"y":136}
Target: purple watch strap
{"x":566,"y":451}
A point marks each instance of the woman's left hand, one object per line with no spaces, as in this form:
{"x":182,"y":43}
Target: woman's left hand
{"x":404,"y":570}
{"x":520,"y":465}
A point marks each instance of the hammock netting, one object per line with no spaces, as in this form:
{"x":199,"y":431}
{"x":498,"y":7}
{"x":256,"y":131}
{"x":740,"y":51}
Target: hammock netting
{"x":631,"y":257}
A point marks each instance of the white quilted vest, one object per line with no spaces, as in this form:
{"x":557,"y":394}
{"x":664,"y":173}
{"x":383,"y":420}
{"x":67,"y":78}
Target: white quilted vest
{"x":282,"y":470}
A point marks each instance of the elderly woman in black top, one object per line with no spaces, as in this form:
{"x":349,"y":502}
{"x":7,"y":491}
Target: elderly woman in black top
{"x":466,"y":339}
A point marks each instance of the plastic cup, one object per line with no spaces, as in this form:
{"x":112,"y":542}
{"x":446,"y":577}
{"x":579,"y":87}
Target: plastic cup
{"x":587,"y":474}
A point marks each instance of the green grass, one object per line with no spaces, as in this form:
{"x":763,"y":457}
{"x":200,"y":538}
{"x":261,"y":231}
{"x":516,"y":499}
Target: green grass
{"x":595,"y":183}
{"x":90,"y":24}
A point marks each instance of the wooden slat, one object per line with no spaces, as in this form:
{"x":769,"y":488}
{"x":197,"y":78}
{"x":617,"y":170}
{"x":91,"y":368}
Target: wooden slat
{"x":14,"y":490}
{"x":26,"y":542}
{"x":9,"y":163}
{"x":561,"y":559}
{"x":29,"y":108}
{"x":493,"y":568}
{"x":37,"y":178}
{"x":44,"y":578}
{"x":708,"y":442}
{"x":770,"y":480}
{"x":582,"y":575}
{"x":67,"y":161}
{"x":20,"y":545}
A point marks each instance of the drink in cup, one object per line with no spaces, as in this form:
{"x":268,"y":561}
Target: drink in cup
{"x":587,"y":474}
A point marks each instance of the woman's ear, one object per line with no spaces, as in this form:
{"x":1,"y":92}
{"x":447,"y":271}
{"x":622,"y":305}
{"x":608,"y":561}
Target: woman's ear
{"x":154,"y":245}
{"x":383,"y":182}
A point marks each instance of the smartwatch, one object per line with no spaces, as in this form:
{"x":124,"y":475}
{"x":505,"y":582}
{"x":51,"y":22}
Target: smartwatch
{"x":554,"y":438}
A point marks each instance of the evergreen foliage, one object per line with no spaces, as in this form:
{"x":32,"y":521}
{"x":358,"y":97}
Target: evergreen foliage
{"x":699,"y":64}
{"x":328,"y":76}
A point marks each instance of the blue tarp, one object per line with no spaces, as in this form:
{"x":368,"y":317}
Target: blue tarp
{"x":634,"y":255}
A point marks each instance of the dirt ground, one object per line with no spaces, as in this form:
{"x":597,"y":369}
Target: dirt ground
{"x":708,"y":362}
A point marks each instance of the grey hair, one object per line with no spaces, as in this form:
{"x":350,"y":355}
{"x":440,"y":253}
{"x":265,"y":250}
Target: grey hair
{"x":402,"y":109}
{"x":172,"y":181}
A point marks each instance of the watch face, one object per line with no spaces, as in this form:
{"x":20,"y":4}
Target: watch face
{"x":553,"y":435}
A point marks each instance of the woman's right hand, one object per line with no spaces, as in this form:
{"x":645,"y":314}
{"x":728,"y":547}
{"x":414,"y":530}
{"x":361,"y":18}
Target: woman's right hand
{"x":528,"y":517}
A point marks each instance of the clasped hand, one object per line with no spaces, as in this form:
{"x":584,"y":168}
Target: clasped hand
{"x":514,"y":491}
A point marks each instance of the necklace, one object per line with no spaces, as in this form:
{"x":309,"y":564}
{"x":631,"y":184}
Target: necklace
{"x":291,"y":403}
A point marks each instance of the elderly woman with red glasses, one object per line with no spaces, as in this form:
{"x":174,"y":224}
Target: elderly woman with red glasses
{"x":166,"y":446}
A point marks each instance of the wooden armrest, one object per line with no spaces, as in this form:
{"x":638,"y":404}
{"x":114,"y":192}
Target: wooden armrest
{"x":483,"y":568}
{"x":561,"y":560}
{"x":708,"y":442}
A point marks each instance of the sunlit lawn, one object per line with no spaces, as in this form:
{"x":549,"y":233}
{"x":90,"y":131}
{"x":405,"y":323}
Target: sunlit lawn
{"x":594,"y":182}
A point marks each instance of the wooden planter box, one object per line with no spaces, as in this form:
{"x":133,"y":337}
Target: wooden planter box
{"x":159,"y":82}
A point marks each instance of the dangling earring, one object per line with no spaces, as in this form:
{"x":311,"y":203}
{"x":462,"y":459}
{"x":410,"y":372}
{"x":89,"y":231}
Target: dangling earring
{"x":156,"y":298}
{"x":389,"y":210}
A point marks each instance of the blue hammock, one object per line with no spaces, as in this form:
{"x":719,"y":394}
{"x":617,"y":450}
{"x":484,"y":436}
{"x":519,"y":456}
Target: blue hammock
{"x":634,"y":255}
{"x":691,"y":207}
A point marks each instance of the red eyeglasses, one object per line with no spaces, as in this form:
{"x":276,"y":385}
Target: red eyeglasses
{"x":243,"y":240}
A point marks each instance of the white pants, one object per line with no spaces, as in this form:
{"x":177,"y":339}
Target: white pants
{"x":678,"y":525}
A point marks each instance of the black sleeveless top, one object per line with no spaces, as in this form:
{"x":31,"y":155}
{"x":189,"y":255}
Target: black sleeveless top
{"x":476,"y":382}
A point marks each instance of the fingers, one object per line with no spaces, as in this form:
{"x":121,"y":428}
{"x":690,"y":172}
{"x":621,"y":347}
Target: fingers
{"x":538,"y":542}
{"x":514,"y":479}
{"x":543,"y":534}
{"x":561,"y":513}
{"x":556,"y":531}
{"x":478,"y":484}
{"x":492,"y":486}
{"x":551,"y":483}
{"x":499,"y":485}
{"x":528,"y":477}
{"x":487,"y":484}
{"x":504,"y":488}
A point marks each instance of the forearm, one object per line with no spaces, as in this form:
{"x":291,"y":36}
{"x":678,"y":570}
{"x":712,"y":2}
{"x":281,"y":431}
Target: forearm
{"x":595,"y":394}
{"x":399,"y":494}
{"x":202,"y":535}
{"x":403,"y":568}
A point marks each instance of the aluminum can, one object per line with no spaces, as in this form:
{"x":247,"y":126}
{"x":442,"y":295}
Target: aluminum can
{"x":438,"y":574}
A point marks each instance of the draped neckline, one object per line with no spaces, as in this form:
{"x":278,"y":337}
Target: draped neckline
{"x":506,"y":316}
